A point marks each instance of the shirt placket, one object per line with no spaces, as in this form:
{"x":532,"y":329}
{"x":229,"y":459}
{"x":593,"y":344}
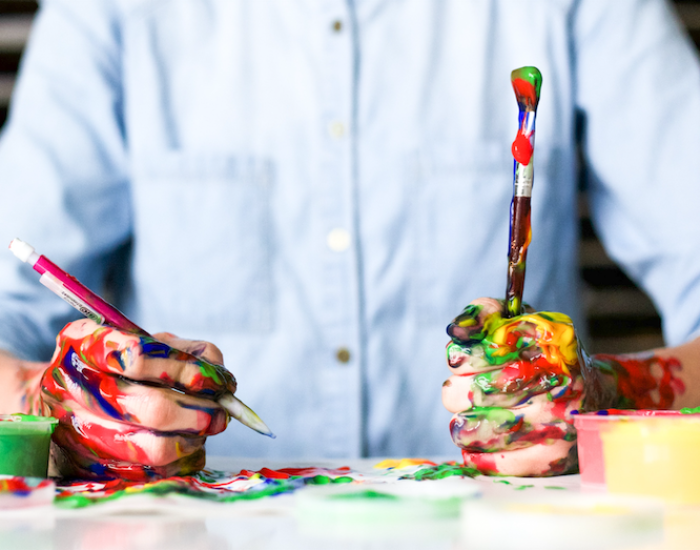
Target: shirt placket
{"x":341,"y":372}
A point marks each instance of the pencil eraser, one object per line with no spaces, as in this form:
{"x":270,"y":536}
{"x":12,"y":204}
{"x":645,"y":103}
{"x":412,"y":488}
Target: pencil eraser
{"x":21,"y":249}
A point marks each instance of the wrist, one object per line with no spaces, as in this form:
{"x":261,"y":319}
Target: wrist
{"x":20,"y":385}
{"x":634,"y":381}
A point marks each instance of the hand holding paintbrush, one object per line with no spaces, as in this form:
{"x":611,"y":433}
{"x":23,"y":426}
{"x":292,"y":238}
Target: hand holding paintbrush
{"x":527,"y":82}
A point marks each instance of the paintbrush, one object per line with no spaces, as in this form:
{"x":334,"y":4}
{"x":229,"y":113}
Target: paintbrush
{"x":527,"y":82}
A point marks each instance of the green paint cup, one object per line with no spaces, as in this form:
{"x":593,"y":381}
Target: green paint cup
{"x":24,"y":444}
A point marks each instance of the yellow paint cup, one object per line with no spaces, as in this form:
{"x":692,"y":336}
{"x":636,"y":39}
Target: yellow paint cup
{"x":654,"y":456}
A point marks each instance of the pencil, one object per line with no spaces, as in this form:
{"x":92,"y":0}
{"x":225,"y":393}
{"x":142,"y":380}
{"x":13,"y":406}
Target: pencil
{"x":100,"y":311}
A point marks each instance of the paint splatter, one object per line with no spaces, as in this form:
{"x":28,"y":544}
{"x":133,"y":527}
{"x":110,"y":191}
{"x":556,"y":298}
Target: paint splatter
{"x":210,"y":485}
{"x":401,"y":463}
{"x":25,"y":492}
{"x":441,"y":471}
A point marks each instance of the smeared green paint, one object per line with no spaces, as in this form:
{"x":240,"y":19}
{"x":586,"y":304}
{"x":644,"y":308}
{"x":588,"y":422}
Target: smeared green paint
{"x":191,"y":486}
{"x":688,"y":410}
{"x":523,"y":487}
{"x":557,"y":487}
{"x":342,"y":479}
{"x":442,"y":471}
{"x":368,"y":494}
{"x":74,"y":501}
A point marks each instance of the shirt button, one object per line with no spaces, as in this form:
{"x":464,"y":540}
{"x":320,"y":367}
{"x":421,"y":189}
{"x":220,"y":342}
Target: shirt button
{"x":337,"y":25}
{"x":338,"y":240}
{"x":343,"y":355}
{"x":336,"y":129}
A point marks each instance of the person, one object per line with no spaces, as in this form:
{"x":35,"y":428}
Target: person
{"x":317,"y":189}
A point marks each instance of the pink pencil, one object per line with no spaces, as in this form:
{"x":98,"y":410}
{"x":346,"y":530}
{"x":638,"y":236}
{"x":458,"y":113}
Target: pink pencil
{"x":93,"y":307}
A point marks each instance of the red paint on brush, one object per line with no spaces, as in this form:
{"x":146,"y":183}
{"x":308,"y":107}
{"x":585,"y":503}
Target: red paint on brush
{"x":525,"y":92}
{"x":522,"y":149}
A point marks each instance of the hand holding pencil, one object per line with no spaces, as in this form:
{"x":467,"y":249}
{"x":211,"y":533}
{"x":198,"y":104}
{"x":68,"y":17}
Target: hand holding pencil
{"x":130,"y":404}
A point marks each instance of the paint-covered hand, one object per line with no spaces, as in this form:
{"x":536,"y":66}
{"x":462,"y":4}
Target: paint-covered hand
{"x":513,"y":383}
{"x":130,"y":406}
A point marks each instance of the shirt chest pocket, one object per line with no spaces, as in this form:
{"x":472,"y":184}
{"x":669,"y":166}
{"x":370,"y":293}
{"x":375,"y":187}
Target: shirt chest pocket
{"x":460,"y":224}
{"x":201,"y":245}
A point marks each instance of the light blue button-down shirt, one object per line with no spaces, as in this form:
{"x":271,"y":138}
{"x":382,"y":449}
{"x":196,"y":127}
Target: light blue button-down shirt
{"x":288,"y":179}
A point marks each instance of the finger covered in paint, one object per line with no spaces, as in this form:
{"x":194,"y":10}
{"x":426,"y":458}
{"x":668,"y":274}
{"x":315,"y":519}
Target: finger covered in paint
{"x":117,"y":398}
{"x":141,"y":358}
{"x":492,"y":429}
{"x":537,"y":460}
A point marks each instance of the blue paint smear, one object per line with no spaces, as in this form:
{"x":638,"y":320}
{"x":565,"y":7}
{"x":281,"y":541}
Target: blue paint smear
{"x":89,"y":381}
{"x":155,"y":349}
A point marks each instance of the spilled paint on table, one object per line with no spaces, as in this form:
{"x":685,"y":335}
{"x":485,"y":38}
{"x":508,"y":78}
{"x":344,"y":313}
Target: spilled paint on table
{"x":211,"y":485}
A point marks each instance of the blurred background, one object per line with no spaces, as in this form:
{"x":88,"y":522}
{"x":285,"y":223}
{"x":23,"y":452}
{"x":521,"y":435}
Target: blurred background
{"x":620,"y":316}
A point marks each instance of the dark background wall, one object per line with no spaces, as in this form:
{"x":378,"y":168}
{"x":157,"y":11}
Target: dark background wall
{"x":620,"y":316}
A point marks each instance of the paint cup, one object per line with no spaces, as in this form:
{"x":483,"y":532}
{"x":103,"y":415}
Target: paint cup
{"x":24,"y":444}
{"x":654,"y":456}
{"x":589,"y":427}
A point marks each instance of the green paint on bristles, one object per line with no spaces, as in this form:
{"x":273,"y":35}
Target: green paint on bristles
{"x":688,"y":410}
{"x":529,"y":74}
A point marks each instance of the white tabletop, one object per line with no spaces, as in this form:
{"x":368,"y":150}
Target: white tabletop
{"x":271,"y":523}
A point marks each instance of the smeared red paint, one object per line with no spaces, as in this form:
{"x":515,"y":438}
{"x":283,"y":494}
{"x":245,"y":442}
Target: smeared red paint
{"x":484,"y":462}
{"x":525,"y":92}
{"x":636,"y":382}
{"x":18,"y":485}
{"x":542,"y":435}
{"x":560,"y":407}
{"x":343,"y":470}
{"x":522,"y":149}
